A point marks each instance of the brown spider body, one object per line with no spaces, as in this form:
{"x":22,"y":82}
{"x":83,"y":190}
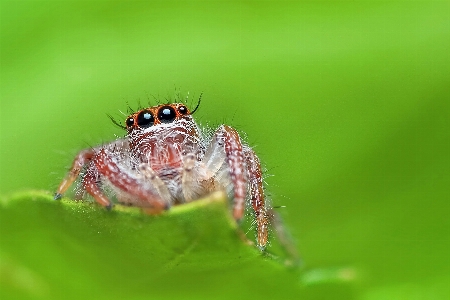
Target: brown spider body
{"x":166,"y":160}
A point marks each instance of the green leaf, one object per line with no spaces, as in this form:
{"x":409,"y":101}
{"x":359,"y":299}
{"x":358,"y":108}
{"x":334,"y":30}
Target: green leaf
{"x":59,"y":249}
{"x":54,"y":248}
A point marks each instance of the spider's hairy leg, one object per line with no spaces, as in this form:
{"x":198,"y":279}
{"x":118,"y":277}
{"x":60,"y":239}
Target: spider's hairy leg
{"x":80,"y":160}
{"x":90,"y":185}
{"x":255,"y":181}
{"x":126,"y":182}
{"x":284,"y":238}
{"x":214,"y":159}
{"x":229,"y":139}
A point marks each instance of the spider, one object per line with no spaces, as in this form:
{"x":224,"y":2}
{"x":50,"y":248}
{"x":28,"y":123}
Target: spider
{"x":165,"y":160}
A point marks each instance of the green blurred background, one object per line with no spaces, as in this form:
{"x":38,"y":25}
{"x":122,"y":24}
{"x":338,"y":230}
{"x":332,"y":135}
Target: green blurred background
{"x":347,"y":105}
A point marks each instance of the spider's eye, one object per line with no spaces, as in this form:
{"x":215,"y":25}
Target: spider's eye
{"x":129,"y":122}
{"x":182,"y":109}
{"x":145,"y":119}
{"x":166,"y":114}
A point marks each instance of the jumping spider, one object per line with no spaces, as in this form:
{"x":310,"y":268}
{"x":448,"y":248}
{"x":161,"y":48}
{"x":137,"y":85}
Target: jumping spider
{"x":165,"y":160}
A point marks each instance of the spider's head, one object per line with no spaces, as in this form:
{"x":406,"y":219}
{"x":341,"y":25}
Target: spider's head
{"x":156,"y":115}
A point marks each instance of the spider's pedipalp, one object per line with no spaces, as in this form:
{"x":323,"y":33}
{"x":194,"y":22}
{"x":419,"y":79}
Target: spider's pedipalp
{"x":153,"y":179}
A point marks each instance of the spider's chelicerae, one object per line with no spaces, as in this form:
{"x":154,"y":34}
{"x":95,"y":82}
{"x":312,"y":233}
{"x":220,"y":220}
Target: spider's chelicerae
{"x":165,"y":160}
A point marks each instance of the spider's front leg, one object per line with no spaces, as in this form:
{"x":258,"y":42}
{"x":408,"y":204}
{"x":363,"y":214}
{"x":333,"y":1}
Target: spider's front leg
{"x":101,"y":164}
{"x":244,"y":168}
{"x":146,"y":189}
{"x":255,"y":180}
{"x":80,"y":160}
{"x":229,"y":139}
{"x":89,"y":179}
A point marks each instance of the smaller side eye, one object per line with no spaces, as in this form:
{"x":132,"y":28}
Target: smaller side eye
{"x":129,"y":122}
{"x":182,"y":109}
{"x":166,"y":114}
{"x":145,"y":119}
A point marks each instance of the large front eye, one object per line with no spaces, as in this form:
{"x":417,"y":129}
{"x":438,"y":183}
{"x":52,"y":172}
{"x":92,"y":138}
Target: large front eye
{"x":145,"y":119}
{"x":166,"y":114}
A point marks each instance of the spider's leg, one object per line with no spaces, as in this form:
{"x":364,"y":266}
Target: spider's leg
{"x":255,"y":181}
{"x":80,"y":160}
{"x":229,"y":139}
{"x":284,"y":238}
{"x":213,"y":159}
{"x":128,"y":182}
{"x":90,"y":179}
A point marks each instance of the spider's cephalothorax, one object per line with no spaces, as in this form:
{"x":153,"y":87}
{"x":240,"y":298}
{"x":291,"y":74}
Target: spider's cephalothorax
{"x":166,"y":160}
